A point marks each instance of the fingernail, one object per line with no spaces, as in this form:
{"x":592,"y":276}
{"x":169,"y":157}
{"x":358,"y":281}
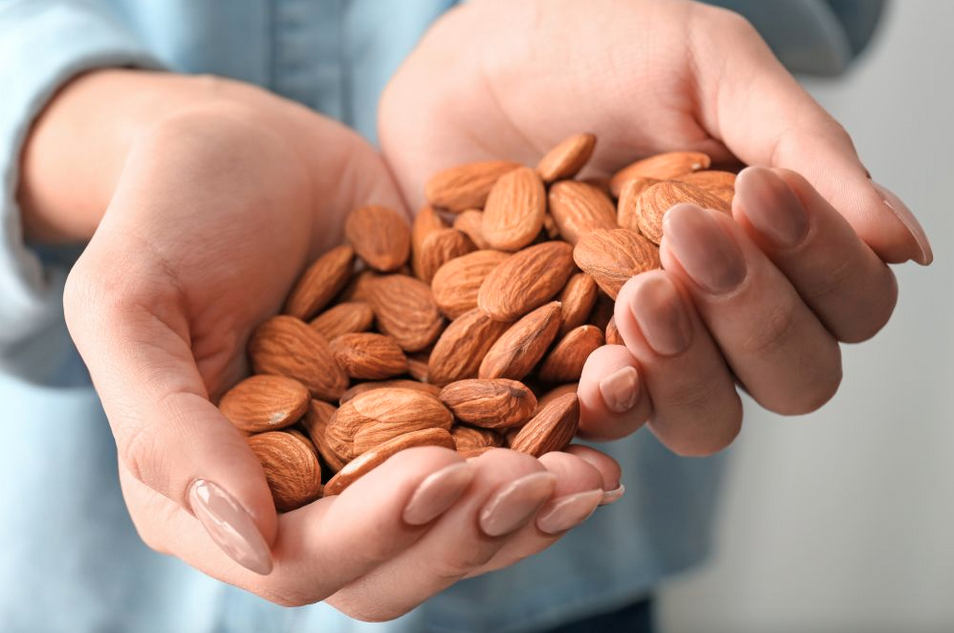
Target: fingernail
{"x":926,"y":254}
{"x":706,"y":251}
{"x":772,"y":207}
{"x":620,"y":390}
{"x":230,"y":526}
{"x":516,"y":504}
{"x":612,"y":496}
{"x":659,"y":312}
{"x":566,"y":512}
{"x":437,"y":492}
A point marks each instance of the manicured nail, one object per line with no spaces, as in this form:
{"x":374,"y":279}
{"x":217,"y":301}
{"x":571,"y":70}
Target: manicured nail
{"x":620,"y":390}
{"x":612,"y":496}
{"x":771,"y":206}
{"x":437,"y":493}
{"x":230,"y":526}
{"x":925,"y":255}
{"x":706,"y":251}
{"x":660,"y":314}
{"x":515,"y":505}
{"x":566,"y":512}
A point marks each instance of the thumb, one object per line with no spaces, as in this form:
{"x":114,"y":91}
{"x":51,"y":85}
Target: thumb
{"x":759,"y":111}
{"x":129,"y":323}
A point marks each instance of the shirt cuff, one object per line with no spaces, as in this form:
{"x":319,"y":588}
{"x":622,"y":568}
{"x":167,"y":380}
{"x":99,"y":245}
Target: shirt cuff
{"x":43,"y":44}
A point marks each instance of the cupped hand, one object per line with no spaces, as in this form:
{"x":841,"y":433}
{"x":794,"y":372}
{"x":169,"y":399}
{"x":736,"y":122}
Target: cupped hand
{"x":217,"y":209}
{"x":762,"y":301}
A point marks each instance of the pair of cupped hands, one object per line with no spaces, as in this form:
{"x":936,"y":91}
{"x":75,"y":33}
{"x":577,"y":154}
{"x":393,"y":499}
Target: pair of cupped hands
{"x":218,"y":194}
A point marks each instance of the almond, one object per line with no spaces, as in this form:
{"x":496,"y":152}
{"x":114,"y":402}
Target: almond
{"x":513,"y":215}
{"x":438,"y":248}
{"x":469,"y":437}
{"x":380,"y":236}
{"x":405,"y":309}
{"x":602,"y":311}
{"x":425,"y":222}
{"x":380,"y":454}
{"x":526,"y":281}
{"x":661,"y":167}
{"x":653,"y":204}
{"x":456,"y":283}
{"x":565,"y":361}
{"x":417,"y":366}
{"x":613,"y":257}
{"x":709,"y":179}
{"x":286,"y":346}
{"x":376,"y":416}
{"x":476,"y":451}
{"x":344,"y":318}
{"x":463,"y":345}
{"x":492,"y":404}
{"x":265,"y":403}
{"x":321,"y":282}
{"x":403,"y":383}
{"x":465,"y":186}
{"x":613,"y":337}
{"x":471,"y":222}
{"x":626,"y":215}
{"x":291,"y":468}
{"x":550,"y":229}
{"x":567,"y":158}
{"x":553,"y":394}
{"x":577,"y":301}
{"x":552,"y":429}
{"x":316,"y":422}
{"x":360,"y":287}
{"x":579,"y":208}
{"x":369,"y":356}
{"x":522,"y":345}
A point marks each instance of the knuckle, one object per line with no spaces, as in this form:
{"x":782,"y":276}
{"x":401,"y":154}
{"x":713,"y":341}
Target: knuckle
{"x":136,"y":451}
{"x":460,"y":562}
{"x":774,"y":332}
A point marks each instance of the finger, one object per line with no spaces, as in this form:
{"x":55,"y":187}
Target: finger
{"x":696,"y":410}
{"x":613,"y":403}
{"x":607,"y":466}
{"x":847,"y":285}
{"x":774,"y":343}
{"x":506,"y":493}
{"x":326,"y":544}
{"x":750,"y":102}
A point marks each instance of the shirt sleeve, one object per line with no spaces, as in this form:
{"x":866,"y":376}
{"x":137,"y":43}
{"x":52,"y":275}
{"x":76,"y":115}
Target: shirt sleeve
{"x":43,"y":44}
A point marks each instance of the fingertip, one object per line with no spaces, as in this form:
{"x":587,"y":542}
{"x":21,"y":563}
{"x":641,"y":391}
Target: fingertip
{"x":613,"y":403}
{"x":609,"y":468}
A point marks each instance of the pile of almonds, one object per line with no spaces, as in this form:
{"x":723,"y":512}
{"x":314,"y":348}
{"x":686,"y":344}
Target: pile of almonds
{"x":467,"y":330}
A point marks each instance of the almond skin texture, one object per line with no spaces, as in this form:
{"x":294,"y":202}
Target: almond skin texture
{"x":380,"y":236}
{"x":656,"y":201}
{"x":551,"y":429}
{"x":661,"y":167}
{"x":321,"y":282}
{"x":463,"y":345}
{"x":492,"y":404}
{"x":402,"y":383}
{"x":513,"y":215}
{"x":602,"y":311}
{"x":286,"y":346}
{"x":265,"y":403}
{"x":359,"y":287}
{"x":578,"y":208}
{"x":468,"y":437}
{"x":291,"y":468}
{"x":565,"y":361}
{"x":456,"y":283}
{"x":315,"y":424}
{"x":425,"y":222}
{"x":555,"y":393}
{"x":577,"y":301}
{"x":344,"y":318}
{"x":613,"y":337}
{"x":380,"y":454}
{"x":710,"y":179}
{"x":471,"y":222}
{"x":626,"y":215}
{"x":567,"y":158}
{"x":405,"y":309}
{"x":523,"y":345}
{"x":379,"y":415}
{"x":526,"y":281}
{"x":438,"y":248}
{"x":369,"y":356}
{"x":465,"y":186}
{"x":468,"y":453}
{"x":613,"y":257}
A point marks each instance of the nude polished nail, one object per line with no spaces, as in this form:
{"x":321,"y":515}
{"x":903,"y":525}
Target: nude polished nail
{"x":516,"y":504}
{"x":659,"y":311}
{"x":437,"y":493}
{"x":614,"y":495}
{"x":230,"y":526}
{"x":926,"y":254}
{"x":706,"y":251}
{"x":567,"y":512}
{"x":620,"y":390}
{"x":771,"y":206}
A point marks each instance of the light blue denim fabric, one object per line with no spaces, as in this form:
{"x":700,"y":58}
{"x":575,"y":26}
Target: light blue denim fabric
{"x":70,"y":559}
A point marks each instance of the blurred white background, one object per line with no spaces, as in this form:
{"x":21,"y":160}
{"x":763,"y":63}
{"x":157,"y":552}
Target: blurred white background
{"x":844,"y":520}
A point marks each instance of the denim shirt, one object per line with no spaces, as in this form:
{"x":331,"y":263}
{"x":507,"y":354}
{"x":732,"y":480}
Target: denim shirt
{"x":70,"y":559}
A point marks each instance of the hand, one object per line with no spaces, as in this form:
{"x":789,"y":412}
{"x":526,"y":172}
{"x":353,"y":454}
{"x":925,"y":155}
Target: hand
{"x":763,"y":300}
{"x":216,"y":197}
